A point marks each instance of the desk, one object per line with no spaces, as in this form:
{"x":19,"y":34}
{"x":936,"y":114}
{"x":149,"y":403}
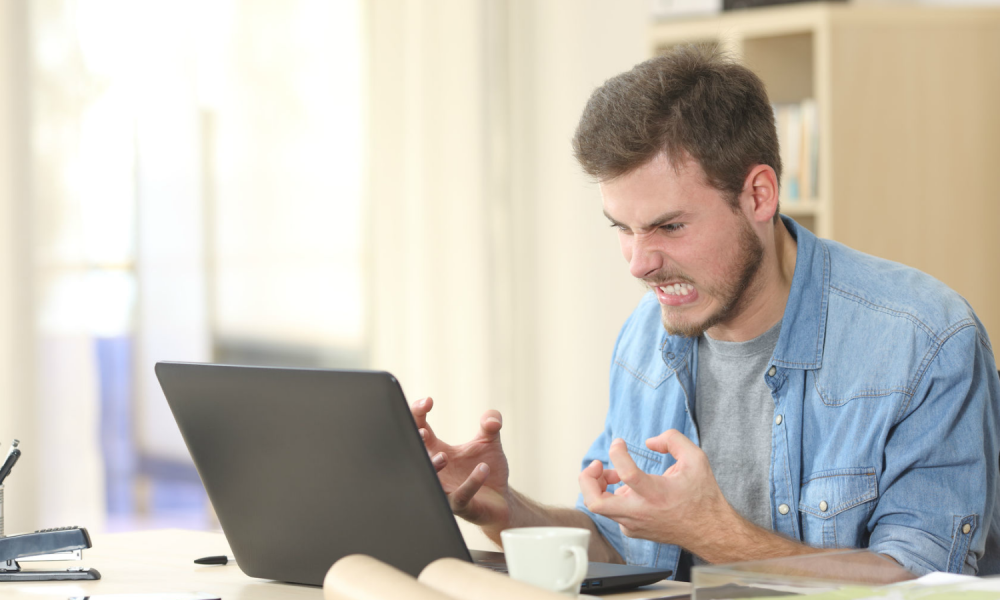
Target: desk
{"x":162,"y":561}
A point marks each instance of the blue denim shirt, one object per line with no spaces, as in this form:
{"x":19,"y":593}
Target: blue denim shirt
{"x":888,"y":392}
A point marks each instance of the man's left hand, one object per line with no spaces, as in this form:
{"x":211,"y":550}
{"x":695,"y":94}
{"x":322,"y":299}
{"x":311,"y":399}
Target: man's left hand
{"x":673,"y":508}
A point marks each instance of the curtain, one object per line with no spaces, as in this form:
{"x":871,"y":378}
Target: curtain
{"x":439,"y":294}
{"x":494,"y":281}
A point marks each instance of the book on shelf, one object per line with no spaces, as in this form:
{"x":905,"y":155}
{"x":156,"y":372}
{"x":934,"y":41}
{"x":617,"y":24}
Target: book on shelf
{"x":798,"y":138}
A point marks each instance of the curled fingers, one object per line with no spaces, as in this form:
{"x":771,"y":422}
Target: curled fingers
{"x":459,"y":499}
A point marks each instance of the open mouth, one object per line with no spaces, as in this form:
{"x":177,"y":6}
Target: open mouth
{"x":676,"y":294}
{"x":676,"y":289}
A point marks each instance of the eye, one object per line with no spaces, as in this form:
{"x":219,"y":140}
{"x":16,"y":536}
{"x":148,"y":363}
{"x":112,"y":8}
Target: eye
{"x":621,"y":228}
{"x":672,"y":227}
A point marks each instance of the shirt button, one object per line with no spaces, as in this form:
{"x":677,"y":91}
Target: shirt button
{"x":772,"y":371}
{"x":783,"y":509}
{"x":966,"y":528}
{"x":823,"y":506}
{"x":777,"y":420}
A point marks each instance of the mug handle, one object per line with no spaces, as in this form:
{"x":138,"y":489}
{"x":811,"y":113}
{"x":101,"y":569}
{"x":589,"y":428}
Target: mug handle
{"x":579,"y":571}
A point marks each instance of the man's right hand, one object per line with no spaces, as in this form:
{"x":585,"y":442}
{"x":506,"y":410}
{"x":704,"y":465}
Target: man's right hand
{"x":473,"y":475}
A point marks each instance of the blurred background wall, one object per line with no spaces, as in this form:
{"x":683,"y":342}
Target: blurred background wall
{"x":367,"y":183}
{"x":495,"y":279}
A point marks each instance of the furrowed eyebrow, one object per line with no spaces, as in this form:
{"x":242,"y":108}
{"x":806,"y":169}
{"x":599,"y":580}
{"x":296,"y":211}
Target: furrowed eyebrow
{"x":612,"y":219}
{"x":657,"y":222}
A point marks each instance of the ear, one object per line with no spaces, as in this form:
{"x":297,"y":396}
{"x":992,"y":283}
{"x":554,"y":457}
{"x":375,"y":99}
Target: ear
{"x":760,"y":194}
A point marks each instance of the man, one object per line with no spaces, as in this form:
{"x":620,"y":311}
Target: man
{"x":774,"y":394}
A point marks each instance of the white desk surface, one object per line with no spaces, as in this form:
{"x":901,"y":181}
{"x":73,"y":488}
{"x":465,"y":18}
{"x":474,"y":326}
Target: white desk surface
{"x":163,"y":561}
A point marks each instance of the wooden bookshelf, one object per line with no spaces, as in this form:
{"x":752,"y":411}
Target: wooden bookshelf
{"x":909,"y":126}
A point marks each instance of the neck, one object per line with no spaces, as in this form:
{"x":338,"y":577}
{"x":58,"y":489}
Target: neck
{"x":768,"y":294}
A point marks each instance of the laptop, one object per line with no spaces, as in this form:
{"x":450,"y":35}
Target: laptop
{"x":305,"y":466}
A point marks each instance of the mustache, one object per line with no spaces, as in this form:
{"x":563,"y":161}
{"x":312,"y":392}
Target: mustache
{"x":663,"y":278}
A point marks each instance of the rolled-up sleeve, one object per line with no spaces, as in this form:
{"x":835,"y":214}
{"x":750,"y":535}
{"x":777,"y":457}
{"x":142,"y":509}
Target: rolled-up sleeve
{"x":938,"y":492}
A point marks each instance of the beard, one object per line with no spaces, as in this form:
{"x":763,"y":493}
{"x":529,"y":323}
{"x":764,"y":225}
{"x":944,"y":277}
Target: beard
{"x":733,"y":292}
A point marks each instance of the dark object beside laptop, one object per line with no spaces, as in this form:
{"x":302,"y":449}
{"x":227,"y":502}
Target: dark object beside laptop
{"x":740,"y":4}
{"x":305,"y":466}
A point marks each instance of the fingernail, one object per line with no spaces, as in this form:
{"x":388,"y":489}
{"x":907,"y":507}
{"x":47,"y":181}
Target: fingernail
{"x":438,"y":458}
{"x":495,"y":420}
{"x":423,"y":434}
{"x":484,"y":469}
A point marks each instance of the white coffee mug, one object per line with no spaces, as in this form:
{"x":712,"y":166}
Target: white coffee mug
{"x":554,"y":558}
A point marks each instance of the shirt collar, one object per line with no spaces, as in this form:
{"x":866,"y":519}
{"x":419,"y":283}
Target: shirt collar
{"x":803,"y":326}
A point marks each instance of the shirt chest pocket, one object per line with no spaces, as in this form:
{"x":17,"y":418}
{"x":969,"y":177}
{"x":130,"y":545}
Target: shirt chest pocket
{"x":835,"y":506}
{"x":644,"y":553}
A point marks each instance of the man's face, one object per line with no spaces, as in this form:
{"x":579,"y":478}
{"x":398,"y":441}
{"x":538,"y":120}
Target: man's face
{"x":681,"y":237}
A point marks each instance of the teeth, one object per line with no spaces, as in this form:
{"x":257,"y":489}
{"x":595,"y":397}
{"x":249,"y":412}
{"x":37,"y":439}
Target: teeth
{"x":677,"y":289}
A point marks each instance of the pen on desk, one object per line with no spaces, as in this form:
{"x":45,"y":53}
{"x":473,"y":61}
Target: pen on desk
{"x":214,"y":560}
{"x":8,"y":464}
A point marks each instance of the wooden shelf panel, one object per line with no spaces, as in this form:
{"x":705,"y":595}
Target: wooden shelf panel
{"x":800,"y":208}
{"x":758,"y":22}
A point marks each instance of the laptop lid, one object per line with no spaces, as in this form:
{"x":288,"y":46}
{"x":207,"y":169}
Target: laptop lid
{"x":287,"y":459}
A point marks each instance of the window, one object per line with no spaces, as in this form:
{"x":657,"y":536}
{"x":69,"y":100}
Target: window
{"x":197,"y":194}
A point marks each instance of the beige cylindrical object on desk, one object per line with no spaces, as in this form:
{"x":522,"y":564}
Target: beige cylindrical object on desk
{"x":360,"y":577}
{"x":468,"y":582}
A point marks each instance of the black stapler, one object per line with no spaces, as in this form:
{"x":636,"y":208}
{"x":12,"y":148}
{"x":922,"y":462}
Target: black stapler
{"x":61,"y":543}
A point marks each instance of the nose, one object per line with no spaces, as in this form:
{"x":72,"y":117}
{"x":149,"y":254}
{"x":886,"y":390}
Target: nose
{"x":645,"y":258}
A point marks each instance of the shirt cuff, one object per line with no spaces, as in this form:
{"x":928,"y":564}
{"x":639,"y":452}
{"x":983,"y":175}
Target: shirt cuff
{"x":608,"y":528}
{"x":916,"y":550}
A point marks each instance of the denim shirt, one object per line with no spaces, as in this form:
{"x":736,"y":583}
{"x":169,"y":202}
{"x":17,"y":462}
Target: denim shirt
{"x":887,"y":389}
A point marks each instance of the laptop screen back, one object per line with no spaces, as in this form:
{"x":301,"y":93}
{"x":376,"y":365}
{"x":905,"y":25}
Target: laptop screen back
{"x":304,"y":467}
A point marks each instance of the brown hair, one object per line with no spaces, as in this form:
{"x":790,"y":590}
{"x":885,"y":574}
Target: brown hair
{"x":694,"y":100}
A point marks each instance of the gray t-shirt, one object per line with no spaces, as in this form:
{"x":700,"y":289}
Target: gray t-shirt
{"x":733,"y":410}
